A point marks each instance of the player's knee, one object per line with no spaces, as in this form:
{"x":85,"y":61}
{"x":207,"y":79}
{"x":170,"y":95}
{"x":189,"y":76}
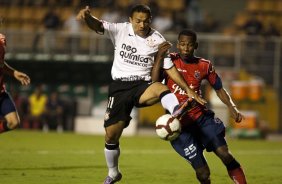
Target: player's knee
{"x":163,"y":87}
{"x":113,"y":132}
{"x":112,"y":137}
{"x":12,"y":120}
{"x":203,"y":175}
{"x":224,"y":154}
{"x":13,"y":123}
{"x":226,"y":157}
{"x":160,"y":87}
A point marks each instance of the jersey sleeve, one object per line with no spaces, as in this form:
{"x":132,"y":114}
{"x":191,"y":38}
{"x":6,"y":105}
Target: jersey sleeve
{"x":167,"y":63}
{"x":156,"y":39}
{"x":111,"y":29}
{"x":213,"y":78}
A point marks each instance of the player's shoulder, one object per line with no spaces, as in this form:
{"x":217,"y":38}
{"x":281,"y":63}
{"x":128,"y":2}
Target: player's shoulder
{"x":123,"y":25}
{"x":117,"y":24}
{"x":157,"y":34}
{"x":206,"y":65}
{"x":204,"y":61}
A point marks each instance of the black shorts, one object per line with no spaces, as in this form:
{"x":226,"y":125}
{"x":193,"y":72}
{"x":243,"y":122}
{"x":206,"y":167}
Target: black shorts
{"x":122,"y":97}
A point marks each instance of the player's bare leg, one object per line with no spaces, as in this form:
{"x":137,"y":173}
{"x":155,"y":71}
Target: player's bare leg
{"x":10,"y":122}
{"x":234,"y":168}
{"x":157,"y":91}
{"x":112,"y":151}
{"x":152,"y":93}
{"x":203,"y":174}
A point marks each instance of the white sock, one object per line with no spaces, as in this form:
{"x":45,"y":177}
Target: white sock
{"x":169,"y":102}
{"x":112,"y":157}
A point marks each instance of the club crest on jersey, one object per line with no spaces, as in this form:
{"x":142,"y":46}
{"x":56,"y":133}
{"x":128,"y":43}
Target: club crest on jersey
{"x":197,"y":75}
{"x":107,"y":115}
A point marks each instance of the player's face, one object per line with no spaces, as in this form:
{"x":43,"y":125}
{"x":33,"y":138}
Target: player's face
{"x":141,"y":23}
{"x":2,"y":39}
{"x":186,"y":46}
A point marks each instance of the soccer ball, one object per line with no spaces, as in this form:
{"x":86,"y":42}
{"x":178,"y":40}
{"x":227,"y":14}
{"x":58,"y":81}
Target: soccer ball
{"x":167,"y":127}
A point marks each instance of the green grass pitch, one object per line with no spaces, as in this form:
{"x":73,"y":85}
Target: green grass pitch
{"x":28,"y":157}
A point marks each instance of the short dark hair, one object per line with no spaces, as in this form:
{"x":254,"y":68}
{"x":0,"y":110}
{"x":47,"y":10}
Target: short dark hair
{"x":188,"y":32}
{"x":141,"y":8}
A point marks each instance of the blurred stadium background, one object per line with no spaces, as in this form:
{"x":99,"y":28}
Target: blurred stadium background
{"x":241,"y":37}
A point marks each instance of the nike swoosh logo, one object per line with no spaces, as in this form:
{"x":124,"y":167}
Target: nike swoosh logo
{"x":130,"y":35}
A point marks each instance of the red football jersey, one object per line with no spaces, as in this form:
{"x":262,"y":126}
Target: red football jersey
{"x":194,"y":72}
{"x":2,"y":55}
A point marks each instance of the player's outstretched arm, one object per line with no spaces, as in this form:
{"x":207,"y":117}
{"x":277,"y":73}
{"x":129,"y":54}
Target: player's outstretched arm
{"x":91,"y":21}
{"x":20,"y":76}
{"x":178,"y":79}
{"x":158,"y":62}
{"x":227,"y":100}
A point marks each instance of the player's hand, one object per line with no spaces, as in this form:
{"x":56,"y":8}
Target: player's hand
{"x":163,"y":49}
{"x":194,"y":96}
{"x":22,"y":77}
{"x":236,"y":114}
{"x":83,"y":13}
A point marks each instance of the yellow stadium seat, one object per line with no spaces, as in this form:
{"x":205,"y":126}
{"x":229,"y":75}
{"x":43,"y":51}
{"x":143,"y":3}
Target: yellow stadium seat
{"x":171,"y":5}
{"x":268,"y":5}
{"x":13,"y":17}
{"x":240,"y":19}
{"x":123,"y":3}
{"x":278,"y":7}
{"x":254,"y":5}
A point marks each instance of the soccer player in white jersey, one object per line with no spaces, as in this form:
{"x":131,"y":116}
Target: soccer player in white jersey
{"x":136,"y":44}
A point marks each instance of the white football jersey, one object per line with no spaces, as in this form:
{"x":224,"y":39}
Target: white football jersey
{"x":134,"y":55}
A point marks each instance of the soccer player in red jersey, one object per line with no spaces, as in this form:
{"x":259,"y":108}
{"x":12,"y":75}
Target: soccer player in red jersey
{"x":200,"y":128}
{"x":8,"y":113}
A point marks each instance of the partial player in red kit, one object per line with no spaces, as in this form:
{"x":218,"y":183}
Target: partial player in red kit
{"x":200,"y":128}
{"x":8,"y":113}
